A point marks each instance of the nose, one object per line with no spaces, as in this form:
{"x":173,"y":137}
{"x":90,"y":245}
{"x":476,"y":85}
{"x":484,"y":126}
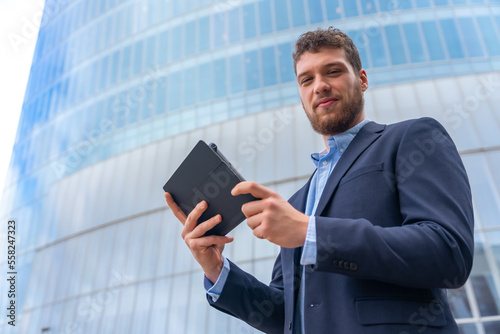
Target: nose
{"x":321,"y":86}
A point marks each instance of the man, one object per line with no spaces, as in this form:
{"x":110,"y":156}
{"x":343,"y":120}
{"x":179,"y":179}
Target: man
{"x":368,"y":244}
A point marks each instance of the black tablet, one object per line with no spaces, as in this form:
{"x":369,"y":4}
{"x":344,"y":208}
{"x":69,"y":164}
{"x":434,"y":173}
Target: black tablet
{"x":207,"y":175}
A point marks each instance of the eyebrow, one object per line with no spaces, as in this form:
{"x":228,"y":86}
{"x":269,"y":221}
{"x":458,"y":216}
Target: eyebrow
{"x":335,"y":63}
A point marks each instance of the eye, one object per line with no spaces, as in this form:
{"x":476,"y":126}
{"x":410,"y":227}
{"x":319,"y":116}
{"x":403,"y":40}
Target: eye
{"x":333,"y":71}
{"x":305,"y":80}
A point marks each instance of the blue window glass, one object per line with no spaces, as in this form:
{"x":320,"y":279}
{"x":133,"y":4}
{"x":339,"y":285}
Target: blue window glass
{"x":150,"y":52}
{"x":477,"y":1}
{"x":190,"y":38}
{"x":471,"y":37}
{"x":174,"y":92}
{"x":452,"y":39}
{"x":161,"y":91}
{"x":234,"y":25}
{"x":315,"y":11}
{"x":433,"y":41}
{"x":268,"y":66}
{"x":441,"y":2}
{"x":188,"y":93}
{"x":175,"y":43}
{"x":361,"y":41}
{"x":287,"y":73}
{"x":423,"y":3}
{"x":219,"y":78}
{"x":147,"y":100}
{"x":236,"y":74}
{"x":252,"y":70}
{"x":115,"y":63}
{"x":138,"y":51}
{"x":204,"y":83}
{"x":415,"y":47}
{"x":125,"y":63}
{"x":490,"y":37}
{"x":219,"y":22}
{"x":396,"y":46}
{"x":103,"y":73}
{"x":368,"y":6}
{"x":350,"y":8}
{"x":162,"y":47}
{"x":249,"y":23}
{"x":132,"y":106}
{"x":333,"y":9}
{"x":376,"y":45}
{"x":298,"y":16}
{"x":265,"y":18}
{"x":459,"y":2}
{"x":281,"y":14}
{"x":203,"y":34}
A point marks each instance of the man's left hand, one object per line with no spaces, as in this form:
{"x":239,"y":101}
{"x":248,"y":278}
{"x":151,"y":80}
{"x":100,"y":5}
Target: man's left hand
{"x":272,"y":217}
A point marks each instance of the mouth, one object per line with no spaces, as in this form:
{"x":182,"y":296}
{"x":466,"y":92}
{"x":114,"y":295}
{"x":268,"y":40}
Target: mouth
{"x":326,"y":102}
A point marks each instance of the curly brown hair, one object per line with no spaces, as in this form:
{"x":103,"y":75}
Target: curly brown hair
{"x":313,"y":41}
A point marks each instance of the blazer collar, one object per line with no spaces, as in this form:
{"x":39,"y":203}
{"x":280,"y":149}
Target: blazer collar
{"x":365,"y":137}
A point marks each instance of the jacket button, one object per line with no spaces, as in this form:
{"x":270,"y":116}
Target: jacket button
{"x":335,"y":263}
{"x":353,"y":266}
{"x":346,"y":265}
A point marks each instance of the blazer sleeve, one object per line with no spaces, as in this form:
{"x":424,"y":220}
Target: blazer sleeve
{"x":259,"y":305}
{"x":430,"y":243}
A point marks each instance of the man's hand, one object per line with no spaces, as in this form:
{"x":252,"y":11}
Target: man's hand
{"x":207,"y":250}
{"x":272,"y":217}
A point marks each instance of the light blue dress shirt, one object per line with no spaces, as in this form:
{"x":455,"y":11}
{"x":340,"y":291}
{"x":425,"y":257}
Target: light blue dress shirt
{"x":325,"y":161}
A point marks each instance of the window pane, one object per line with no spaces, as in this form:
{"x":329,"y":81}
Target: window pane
{"x":188,"y":94}
{"x":281,"y":14}
{"x":440,"y":2}
{"x":434,"y":43}
{"x":315,"y":11}
{"x":489,"y":35}
{"x":471,"y":37}
{"x":204,"y":88}
{"x":249,"y":21}
{"x":265,"y":18}
{"x":125,"y":63}
{"x":236,"y":73}
{"x":160,"y":105}
{"x":268,"y":66}
{"x":423,"y":3}
{"x":452,"y":39}
{"x":138,"y":51}
{"x":190,"y":38}
{"x":299,"y":19}
{"x":377,"y":49}
{"x":252,"y":70}
{"x":415,"y":46}
{"x":350,"y":8}
{"x":333,"y":9}
{"x":396,"y":47}
{"x":361,"y":42}
{"x":204,"y":34}
{"x":368,"y":6}
{"x":162,"y":47}
{"x":234,"y":25}
{"x":219,"y":21}
{"x":174,"y":82}
{"x":175,"y":43}
{"x":459,"y":303}
{"x":287,"y":73}
{"x":219,"y":83}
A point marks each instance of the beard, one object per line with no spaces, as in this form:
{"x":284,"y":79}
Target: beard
{"x":335,"y":123}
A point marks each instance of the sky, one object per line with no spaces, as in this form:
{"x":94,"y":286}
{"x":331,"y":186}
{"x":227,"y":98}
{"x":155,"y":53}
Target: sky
{"x":19,"y":23}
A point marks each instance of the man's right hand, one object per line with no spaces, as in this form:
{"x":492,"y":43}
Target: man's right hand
{"x":207,"y":250}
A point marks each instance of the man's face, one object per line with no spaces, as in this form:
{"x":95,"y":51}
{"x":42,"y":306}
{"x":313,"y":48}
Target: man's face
{"x":331,"y":91}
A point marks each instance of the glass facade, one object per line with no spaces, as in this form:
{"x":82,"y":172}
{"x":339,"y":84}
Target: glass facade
{"x":120,"y":91}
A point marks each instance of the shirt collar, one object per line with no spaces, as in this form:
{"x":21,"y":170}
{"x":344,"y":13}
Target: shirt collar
{"x":340,"y":141}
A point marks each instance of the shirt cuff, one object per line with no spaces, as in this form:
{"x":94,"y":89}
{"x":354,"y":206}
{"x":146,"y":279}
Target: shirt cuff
{"x":214,"y":290}
{"x":310,"y":247}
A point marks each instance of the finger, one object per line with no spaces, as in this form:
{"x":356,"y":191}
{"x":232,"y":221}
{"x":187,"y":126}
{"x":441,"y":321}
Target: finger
{"x":254,"y":221}
{"x":252,"y":208}
{"x":181,"y":216}
{"x":208,"y":241}
{"x":207,"y":225}
{"x":194,"y":215}
{"x":248,"y":187}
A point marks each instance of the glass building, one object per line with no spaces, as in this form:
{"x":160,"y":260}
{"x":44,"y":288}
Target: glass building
{"x":120,"y":91}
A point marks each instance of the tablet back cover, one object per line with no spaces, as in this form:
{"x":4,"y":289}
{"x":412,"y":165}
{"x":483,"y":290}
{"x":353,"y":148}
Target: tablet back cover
{"x":205,"y":175}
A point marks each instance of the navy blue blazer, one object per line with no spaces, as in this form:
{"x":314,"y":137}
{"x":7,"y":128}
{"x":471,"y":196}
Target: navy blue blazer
{"x":394,"y":228}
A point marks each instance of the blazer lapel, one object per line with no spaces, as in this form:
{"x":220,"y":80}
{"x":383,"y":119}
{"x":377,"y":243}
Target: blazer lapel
{"x":365,"y":137}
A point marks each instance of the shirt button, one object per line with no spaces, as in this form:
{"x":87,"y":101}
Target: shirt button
{"x":341,"y":150}
{"x":324,"y":163}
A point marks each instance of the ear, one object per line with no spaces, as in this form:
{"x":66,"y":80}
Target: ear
{"x":363,"y":80}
